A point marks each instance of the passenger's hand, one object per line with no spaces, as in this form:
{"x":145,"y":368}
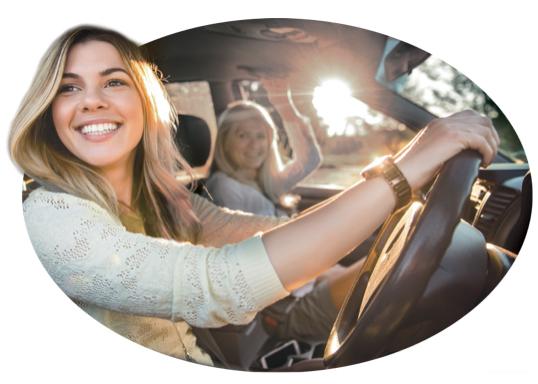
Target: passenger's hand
{"x":444,"y":138}
{"x":279,"y":94}
{"x":278,"y":91}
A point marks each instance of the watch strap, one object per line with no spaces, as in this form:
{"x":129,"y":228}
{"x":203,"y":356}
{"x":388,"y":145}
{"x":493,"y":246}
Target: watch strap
{"x":386,"y":168}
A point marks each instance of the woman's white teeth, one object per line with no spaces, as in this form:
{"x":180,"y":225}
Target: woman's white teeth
{"x":98,"y":129}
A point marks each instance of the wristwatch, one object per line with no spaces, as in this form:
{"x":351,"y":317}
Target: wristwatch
{"x":386,"y":168}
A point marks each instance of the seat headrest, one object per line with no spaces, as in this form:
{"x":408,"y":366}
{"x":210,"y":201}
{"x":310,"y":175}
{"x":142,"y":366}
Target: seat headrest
{"x":193,"y":138}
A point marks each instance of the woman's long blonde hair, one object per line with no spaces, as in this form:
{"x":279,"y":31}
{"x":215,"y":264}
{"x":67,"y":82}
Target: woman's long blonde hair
{"x":235,"y":114}
{"x":36,"y":148}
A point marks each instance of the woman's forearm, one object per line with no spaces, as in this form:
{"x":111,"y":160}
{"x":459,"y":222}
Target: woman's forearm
{"x":307,"y":246}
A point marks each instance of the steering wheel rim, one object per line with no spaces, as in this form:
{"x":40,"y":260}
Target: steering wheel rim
{"x":364,"y":324}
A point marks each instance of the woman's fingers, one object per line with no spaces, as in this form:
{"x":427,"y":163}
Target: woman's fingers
{"x":483,"y":127}
{"x":279,"y":94}
{"x":277,"y":90}
{"x":278,"y":87}
{"x":492,"y":139}
{"x":483,"y":145}
{"x":444,"y":138}
{"x":474,"y":131}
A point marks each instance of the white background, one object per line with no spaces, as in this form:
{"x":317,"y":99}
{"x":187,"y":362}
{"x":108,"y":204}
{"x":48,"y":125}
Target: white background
{"x":47,"y":338}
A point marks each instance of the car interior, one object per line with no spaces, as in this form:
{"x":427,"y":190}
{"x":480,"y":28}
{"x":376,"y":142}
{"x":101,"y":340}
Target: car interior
{"x":429,"y":264}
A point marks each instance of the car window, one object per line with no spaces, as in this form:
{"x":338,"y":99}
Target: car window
{"x":350,"y":133}
{"x":442,"y":90}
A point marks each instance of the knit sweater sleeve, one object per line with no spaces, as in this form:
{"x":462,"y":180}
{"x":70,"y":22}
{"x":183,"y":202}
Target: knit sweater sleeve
{"x":306,"y":158}
{"x":93,"y":259}
{"x":224,"y":226}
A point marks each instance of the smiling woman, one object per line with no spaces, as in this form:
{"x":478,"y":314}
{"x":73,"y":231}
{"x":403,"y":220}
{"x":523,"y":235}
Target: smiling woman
{"x":247,"y":146}
{"x":139,"y":252}
{"x":250,"y":173}
{"x":107,"y":80}
{"x":98,"y":113}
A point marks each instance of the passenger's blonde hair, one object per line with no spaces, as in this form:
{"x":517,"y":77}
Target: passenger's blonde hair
{"x":36,"y":148}
{"x":228,"y":121}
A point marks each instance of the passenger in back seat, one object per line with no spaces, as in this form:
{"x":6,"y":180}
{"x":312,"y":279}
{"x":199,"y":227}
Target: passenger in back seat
{"x":250,"y":176}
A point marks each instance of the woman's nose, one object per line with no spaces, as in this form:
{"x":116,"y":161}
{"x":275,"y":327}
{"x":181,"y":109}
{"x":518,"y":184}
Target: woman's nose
{"x":93,"y":100}
{"x":254,"y":145}
{"x":255,"y":142}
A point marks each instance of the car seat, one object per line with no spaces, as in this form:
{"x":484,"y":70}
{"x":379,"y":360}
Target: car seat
{"x":193,"y":138}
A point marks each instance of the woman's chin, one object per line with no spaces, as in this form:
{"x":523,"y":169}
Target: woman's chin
{"x":103,"y":162}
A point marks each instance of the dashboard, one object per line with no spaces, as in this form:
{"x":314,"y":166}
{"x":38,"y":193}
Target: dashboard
{"x":500,"y":204}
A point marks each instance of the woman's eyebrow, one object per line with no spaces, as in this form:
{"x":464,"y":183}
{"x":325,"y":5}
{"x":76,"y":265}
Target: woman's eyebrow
{"x":112,"y":70}
{"x":106,"y":72}
{"x":70,"y":75}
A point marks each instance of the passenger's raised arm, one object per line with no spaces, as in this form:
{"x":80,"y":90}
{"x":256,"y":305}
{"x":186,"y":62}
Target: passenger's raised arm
{"x":306,"y":152}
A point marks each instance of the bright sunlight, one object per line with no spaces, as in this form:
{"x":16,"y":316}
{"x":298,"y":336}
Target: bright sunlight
{"x":337,"y":107}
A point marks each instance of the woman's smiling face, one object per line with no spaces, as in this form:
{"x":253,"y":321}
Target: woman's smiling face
{"x":98,"y":111}
{"x":247,"y":144}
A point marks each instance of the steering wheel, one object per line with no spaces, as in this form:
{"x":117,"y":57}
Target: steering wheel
{"x":403,"y":258}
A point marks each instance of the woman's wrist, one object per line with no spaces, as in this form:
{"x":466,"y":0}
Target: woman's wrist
{"x":408,"y":172}
{"x":417,"y":171}
{"x":386,"y":169}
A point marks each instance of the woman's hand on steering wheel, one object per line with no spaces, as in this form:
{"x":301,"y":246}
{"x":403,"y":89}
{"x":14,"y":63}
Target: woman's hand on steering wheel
{"x":441,"y":140}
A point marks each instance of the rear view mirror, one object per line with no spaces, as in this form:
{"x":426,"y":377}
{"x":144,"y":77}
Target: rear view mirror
{"x":401,"y":59}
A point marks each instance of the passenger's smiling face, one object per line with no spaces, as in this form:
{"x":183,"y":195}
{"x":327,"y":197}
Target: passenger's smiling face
{"x":247,"y":144}
{"x":98,"y":111}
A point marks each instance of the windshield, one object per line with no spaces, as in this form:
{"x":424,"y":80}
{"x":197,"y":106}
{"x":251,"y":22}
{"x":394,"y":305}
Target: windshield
{"x":442,"y":90}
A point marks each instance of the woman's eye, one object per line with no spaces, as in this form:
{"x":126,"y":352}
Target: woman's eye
{"x":115,"y":83}
{"x":67,"y":88}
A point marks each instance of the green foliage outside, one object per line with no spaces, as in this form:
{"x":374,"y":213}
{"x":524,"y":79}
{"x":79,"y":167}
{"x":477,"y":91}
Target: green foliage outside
{"x":443,"y":90}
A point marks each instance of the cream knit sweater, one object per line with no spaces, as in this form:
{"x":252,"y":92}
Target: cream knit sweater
{"x":149,"y":289}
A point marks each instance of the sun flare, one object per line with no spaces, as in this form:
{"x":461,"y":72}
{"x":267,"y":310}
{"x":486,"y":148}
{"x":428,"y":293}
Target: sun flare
{"x":335,"y":104}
